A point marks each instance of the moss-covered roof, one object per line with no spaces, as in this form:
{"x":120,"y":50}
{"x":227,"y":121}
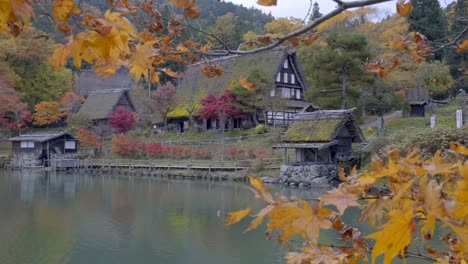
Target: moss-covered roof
{"x":178,"y":112}
{"x":313,"y":130}
{"x":323,"y":126}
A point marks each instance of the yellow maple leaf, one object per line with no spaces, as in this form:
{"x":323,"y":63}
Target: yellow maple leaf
{"x":236,"y":216}
{"x":14,"y":14}
{"x":257,"y":183}
{"x":62,"y":9}
{"x":394,"y":237}
{"x":60,"y":55}
{"x":142,"y":60}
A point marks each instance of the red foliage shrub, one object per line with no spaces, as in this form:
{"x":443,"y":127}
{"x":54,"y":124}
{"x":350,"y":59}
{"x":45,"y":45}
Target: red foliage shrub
{"x":88,"y":138}
{"x":233,"y":153}
{"x":122,"y":120}
{"x":250,"y":154}
{"x":262,"y":153}
{"x":123,"y":145}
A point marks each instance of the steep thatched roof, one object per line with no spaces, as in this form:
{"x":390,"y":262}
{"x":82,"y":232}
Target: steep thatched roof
{"x":99,"y":104}
{"x":323,"y":126}
{"x":236,"y":67}
{"x":87,"y":82}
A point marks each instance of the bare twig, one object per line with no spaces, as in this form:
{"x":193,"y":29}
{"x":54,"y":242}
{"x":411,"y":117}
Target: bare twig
{"x":308,"y":13}
{"x":454,"y":41}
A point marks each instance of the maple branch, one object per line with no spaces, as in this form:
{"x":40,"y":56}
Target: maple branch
{"x":454,"y":41}
{"x":340,"y":9}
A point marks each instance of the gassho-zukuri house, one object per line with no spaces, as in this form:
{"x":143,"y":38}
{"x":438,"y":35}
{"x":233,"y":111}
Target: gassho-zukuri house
{"x":101,"y":103}
{"x":281,"y":64}
{"x":320,"y":140}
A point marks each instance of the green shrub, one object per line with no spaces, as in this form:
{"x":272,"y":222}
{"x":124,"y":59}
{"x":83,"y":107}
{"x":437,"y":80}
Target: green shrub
{"x":428,"y":141}
{"x":260,"y":129}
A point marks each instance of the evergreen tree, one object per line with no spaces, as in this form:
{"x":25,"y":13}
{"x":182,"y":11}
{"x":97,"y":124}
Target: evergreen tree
{"x":315,"y":12}
{"x":429,"y":19}
{"x":458,"y":22}
{"x":335,"y":70}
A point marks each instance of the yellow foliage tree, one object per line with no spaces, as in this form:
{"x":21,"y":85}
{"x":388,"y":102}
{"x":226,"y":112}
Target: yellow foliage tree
{"x":47,"y":113}
{"x":404,"y":198}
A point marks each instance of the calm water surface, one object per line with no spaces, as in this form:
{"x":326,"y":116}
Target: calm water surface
{"x":48,"y":219}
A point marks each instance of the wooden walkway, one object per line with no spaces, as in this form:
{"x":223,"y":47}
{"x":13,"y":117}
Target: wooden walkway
{"x":206,"y":165}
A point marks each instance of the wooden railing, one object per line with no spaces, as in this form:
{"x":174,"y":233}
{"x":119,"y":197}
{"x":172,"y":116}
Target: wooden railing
{"x":182,"y":164}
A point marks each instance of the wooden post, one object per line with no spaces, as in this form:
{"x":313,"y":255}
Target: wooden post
{"x":463,"y":105}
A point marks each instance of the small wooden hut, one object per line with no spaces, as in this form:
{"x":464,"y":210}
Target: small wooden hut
{"x":417,"y":108}
{"x":37,"y":149}
{"x":323,"y":136}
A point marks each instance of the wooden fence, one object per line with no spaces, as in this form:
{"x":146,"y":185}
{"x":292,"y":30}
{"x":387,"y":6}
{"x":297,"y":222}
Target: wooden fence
{"x":234,"y":165}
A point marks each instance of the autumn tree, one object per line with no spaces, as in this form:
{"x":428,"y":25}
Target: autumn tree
{"x":226,"y":30}
{"x":27,"y":58}
{"x":47,"y":113}
{"x":164,"y":100}
{"x":88,"y":138}
{"x":221,"y":108}
{"x":435,"y":78}
{"x":13,"y":113}
{"x":70,"y":103}
{"x":122,"y":120}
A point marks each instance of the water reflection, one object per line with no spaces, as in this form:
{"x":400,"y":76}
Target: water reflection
{"x":64,"y":218}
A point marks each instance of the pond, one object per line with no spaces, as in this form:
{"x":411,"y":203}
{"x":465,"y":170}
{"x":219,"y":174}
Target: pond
{"x":77,"y":218}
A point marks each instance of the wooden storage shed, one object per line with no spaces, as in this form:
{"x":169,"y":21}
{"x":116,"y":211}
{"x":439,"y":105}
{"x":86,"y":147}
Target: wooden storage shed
{"x":417,"y":108}
{"x":37,"y":149}
{"x":323,"y":136}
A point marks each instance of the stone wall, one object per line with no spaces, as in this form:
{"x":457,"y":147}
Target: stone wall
{"x":309,"y":175}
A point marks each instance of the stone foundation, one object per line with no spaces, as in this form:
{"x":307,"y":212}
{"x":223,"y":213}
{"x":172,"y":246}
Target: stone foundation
{"x":309,"y":175}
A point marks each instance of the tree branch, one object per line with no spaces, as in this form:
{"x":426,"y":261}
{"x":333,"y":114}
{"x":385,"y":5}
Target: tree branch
{"x":343,"y":6}
{"x":454,"y":41}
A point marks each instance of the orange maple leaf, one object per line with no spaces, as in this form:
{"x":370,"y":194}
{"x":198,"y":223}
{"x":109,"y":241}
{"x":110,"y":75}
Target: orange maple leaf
{"x":340,"y":199}
{"x":267,"y":2}
{"x":246,"y":84}
{"x":403,"y":7}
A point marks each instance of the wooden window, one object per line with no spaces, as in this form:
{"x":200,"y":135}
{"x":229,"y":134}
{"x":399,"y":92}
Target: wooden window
{"x":293,"y":78}
{"x":272,"y":93}
{"x":27,"y":144}
{"x":278,"y":78}
{"x":285,"y":77}
{"x":70,"y":144}
{"x":298,"y":94}
{"x":285,"y":64}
